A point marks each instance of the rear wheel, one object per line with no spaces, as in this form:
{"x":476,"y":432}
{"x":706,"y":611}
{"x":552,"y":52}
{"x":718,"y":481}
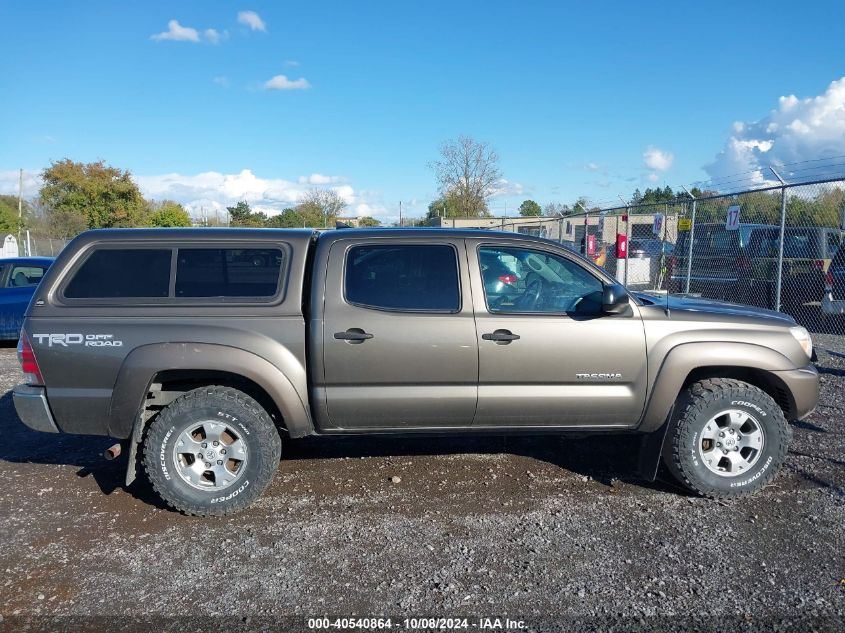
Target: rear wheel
{"x":211,"y":452}
{"x":727,"y":438}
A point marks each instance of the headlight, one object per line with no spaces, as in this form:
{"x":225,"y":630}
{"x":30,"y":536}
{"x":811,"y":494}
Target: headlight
{"x":803,"y":337}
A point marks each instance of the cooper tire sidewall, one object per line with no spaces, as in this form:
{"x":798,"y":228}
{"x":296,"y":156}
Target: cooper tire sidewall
{"x":768,"y":462}
{"x":167,"y":468}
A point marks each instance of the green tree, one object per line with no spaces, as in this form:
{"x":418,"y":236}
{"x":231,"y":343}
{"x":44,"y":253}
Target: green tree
{"x":320,"y":207}
{"x":530,"y":208}
{"x":451,"y":205}
{"x":468,"y":171}
{"x":9,"y":221}
{"x":242,"y":215}
{"x":90,"y":195}
{"x":287,"y":219}
{"x":169,"y":214}
{"x":368,"y":221}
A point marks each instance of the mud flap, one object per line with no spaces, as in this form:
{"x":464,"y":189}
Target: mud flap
{"x":651,"y":451}
{"x":132,"y":461}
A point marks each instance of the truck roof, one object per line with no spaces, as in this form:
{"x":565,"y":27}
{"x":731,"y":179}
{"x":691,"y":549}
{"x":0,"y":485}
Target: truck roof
{"x":246,"y":234}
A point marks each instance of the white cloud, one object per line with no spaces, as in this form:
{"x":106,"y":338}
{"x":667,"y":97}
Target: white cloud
{"x":658,"y":159}
{"x":505,"y":187}
{"x":290,"y":63}
{"x":652,"y":177}
{"x":797,"y":130}
{"x":214,"y":191}
{"x":9,"y":181}
{"x":592,"y":167}
{"x":177,"y":33}
{"x":252,"y":20}
{"x":319,"y":179}
{"x":214,"y":36}
{"x":222,"y":81}
{"x":280,"y":82}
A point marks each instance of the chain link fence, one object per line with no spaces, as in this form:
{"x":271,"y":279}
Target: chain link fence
{"x":31,"y":244}
{"x":774,"y":247}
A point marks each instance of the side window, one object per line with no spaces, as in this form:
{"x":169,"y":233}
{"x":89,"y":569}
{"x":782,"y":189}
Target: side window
{"x":519,"y":280}
{"x":22,"y":276}
{"x":122,"y":273}
{"x":228,"y":272}
{"x":407,"y":277}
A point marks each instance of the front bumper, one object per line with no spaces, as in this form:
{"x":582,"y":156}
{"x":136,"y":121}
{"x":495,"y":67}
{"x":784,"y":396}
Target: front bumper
{"x":803,"y":384}
{"x":33,"y":410}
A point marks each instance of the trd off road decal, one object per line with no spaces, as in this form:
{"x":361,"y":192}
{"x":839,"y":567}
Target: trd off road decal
{"x":86,"y":340}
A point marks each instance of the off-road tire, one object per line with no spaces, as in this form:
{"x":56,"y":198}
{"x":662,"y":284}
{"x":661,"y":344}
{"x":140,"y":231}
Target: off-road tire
{"x":258,"y":432}
{"x":695,"y":407}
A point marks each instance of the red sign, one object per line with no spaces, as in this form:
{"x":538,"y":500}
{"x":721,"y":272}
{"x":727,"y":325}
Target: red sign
{"x":591,"y":245}
{"x":621,"y":246}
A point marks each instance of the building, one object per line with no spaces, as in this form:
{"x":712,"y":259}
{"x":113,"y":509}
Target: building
{"x":570,"y":230}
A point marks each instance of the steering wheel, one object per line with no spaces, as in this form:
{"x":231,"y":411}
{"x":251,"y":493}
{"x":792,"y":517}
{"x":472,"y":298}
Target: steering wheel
{"x":533,"y":292}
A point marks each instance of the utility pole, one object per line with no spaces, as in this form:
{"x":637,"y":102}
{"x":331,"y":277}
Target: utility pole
{"x":690,"y":238}
{"x":627,"y":238}
{"x":20,"y":204}
{"x":780,"y":241}
{"x":400,"y":214}
{"x":586,"y":225}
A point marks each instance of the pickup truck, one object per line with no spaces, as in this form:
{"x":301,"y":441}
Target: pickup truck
{"x":203,"y":350}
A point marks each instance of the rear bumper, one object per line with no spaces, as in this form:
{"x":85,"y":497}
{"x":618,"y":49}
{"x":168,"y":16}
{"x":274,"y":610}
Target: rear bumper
{"x":803,"y":385}
{"x":33,"y":410}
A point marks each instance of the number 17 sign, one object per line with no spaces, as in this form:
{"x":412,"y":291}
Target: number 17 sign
{"x":732,"y":221}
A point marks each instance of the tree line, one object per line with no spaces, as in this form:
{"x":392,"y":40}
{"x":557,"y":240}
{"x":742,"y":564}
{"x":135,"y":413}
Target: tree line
{"x":76,"y":196}
{"x":468,"y":175}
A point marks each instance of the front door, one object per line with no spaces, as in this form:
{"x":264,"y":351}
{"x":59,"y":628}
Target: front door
{"x":548,"y":356}
{"x":399,"y":339}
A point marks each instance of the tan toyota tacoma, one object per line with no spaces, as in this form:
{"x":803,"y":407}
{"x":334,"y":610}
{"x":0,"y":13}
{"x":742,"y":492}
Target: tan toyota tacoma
{"x":203,"y":350}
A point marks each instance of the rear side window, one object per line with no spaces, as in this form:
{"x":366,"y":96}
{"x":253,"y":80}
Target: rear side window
{"x":414,"y":278}
{"x":228,"y":272}
{"x":22,"y":276}
{"x":122,"y":273}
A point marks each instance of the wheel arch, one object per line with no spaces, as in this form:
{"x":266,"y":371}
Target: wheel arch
{"x":176,"y":361}
{"x":690,"y":362}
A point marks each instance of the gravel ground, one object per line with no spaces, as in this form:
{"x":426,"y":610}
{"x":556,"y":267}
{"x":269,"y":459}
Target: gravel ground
{"x":546,"y":530}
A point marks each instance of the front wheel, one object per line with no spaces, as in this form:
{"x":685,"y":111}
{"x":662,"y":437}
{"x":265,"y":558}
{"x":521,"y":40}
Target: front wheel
{"x":726,"y":439}
{"x":211,"y":452}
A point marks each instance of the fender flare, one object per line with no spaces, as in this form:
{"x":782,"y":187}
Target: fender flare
{"x":143,"y":363}
{"x":687,"y":357}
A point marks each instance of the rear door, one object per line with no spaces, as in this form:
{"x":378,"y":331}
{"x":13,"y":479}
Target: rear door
{"x":399,"y":344}
{"x":547,"y":355}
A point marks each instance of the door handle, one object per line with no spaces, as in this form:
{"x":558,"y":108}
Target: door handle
{"x":353,"y":335}
{"x":501,"y":337}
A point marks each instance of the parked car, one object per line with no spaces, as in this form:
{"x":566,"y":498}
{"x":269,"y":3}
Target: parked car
{"x":19,"y":276}
{"x":650,"y":248}
{"x":833,"y":301}
{"x":205,"y":369}
{"x":742,"y":265}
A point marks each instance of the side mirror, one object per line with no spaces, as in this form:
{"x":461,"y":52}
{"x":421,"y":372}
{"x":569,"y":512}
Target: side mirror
{"x":614,"y":299}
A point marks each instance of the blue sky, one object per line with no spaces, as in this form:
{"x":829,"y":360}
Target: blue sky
{"x":578,"y":98}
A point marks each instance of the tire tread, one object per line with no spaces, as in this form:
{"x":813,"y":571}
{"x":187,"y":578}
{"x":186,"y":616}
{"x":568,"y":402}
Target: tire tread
{"x":268,"y":443}
{"x":691,"y":405}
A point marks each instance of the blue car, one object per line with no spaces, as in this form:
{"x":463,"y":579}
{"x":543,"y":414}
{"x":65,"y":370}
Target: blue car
{"x":19,"y":277}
